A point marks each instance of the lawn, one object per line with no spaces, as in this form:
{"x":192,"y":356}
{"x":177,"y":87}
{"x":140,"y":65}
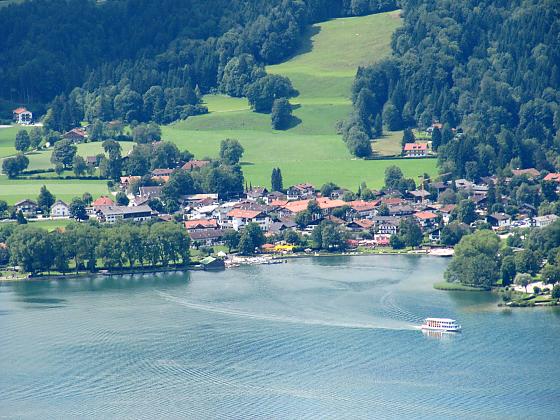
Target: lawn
{"x":13,"y":190}
{"x":7,"y":140}
{"x":51,"y":225}
{"x":322,"y":71}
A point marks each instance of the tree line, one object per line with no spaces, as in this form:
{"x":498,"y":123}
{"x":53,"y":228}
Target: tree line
{"x":156,"y":61}
{"x":90,"y":246}
{"x":488,"y":67}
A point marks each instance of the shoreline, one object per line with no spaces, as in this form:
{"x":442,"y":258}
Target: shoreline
{"x":195,"y":266}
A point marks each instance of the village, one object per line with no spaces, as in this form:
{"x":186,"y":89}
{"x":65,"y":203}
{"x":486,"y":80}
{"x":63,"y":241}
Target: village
{"x":367,"y":221}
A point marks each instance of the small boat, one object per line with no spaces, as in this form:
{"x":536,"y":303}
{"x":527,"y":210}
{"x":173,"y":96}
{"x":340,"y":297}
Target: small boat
{"x":441,"y":324}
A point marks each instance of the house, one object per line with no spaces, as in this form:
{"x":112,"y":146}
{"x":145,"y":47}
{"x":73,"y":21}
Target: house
{"x":257,"y":193}
{"x":76,"y":135}
{"x":60,"y":209}
{"x":127,"y":181}
{"x":238,"y":218}
{"x":201,"y":224}
{"x":161,"y":172}
{"x":22,"y":116}
{"x":102,"y":201}
{"x":207,"y":237}
{"x":91,"y":161}
{"x":464,"y":184}
{"x":413,"y":150}
{"x":194,"y":164}
{"x":435,"y":235}
{"x":281,"y":226}
{"x":499,"y":220}
{"x":446,"y":211}
{"x":542,"y":221}
{"x":419,"y":195}
{"x":385,"y":225}
{"x":112,"y":214}
{"x":401,"y":210}
{"x":300,"y":192}
{"x":150,"y":192}
{"x":338,"y":194}
{"x":427,"y":219}
{"x":27,"y":207}
{"x":553,"y":177}
{"x":360,"y":225}
{"x":363,"y":209}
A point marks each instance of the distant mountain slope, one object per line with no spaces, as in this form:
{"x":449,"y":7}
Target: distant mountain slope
{"x":490,"y":67}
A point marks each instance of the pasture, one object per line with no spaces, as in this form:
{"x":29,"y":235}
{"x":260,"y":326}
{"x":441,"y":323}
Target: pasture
{"x":322,"y":71}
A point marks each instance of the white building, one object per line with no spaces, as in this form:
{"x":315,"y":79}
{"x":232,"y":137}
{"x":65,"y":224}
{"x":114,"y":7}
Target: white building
{"x":238,"y":218}
{"x":60,"y":209}
{"x":542,"y":221}
{"x":22,"y":116}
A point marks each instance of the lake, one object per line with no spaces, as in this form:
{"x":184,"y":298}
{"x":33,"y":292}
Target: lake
{"x":313,"y":338}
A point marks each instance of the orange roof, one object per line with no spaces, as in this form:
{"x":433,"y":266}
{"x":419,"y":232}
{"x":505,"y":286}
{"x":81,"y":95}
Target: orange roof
{"x":425,"y":215}
{"x":129,"y":179}
{"x":415,"y":146}
{"x":360,"y":205}
{"x":327,"y":203}
{"x":296,"y":206}
{"x":552,"y":177}
{"x":245,"y":214}
{"x":279,"y":203}
{"x":365,"y":223}
{"x":103,"y":201}
{"x":201,"y":223}
{"x":161,"y":178}
{"x":20,"y":110}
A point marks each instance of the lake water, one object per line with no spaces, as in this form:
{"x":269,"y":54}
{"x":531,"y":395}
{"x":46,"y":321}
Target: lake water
{"x":314,"y":338}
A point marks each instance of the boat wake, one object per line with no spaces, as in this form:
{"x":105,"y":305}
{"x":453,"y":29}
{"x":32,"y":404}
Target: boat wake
{"x":394,"y":325}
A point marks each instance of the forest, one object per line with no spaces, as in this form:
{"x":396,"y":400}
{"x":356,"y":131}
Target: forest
{"x":84,"y":59}
{"x":487,"y":70}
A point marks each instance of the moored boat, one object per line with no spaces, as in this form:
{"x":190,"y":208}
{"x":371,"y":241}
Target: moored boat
{"x":441,"y":324}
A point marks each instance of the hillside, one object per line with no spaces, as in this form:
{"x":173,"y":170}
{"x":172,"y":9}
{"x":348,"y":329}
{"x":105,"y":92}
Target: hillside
{"x":322,"y":71}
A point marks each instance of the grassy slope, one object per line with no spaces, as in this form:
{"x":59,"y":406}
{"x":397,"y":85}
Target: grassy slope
{"x":322,"y":71}
{"x":7,"y":140}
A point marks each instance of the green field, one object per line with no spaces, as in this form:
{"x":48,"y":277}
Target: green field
{"x":7,"y":140}
{"x":13,"y":190}
{"x":310,"y":151}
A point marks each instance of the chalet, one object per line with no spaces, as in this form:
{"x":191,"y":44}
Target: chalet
{"x":464,"y":184}
{"x":60,"y":209}
{"x":363,"y":209}
{"x":412,"y":150}
{"x":427,"y":219}
{"x":22,"y":116}
{"x":201,"y":224}
{"x":127,"y":181}
{"x":208,"y":237}
{"x":76,"y":135}
{"x":102,"y":201}
{"x":446,"y":211}
{"x":300,"y":192}
{"x":281,"y":226}
{"x":552,"y":177}
{"x":150,"y":192}
{"x":160,"y":172}
{"x":257,"y":193}
{"x":499,"y":220}
{"x":199,"y":199}
{"x":542,"y":221}
{"x":438,"y":186}
{"x":435,"y":235}
{"x":419,"y":195}
{"x":194,"y":164}
{"x":385,"y":225}
{"x":360,"y":225}
{"x":112,"y":214}
{"x":401,"y":210}
{"x":338,"y":194}
{"x":203,"y":212}
{"x":238,"y":218}
{"x":27,"y":207}
{"x":275,"y":196}
{"x":327,"y":205}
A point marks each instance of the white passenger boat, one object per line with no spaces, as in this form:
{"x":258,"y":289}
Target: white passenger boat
{"x":441,"y":324}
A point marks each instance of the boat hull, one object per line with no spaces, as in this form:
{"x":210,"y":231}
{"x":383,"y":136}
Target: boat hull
{"x":441,"y":329}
